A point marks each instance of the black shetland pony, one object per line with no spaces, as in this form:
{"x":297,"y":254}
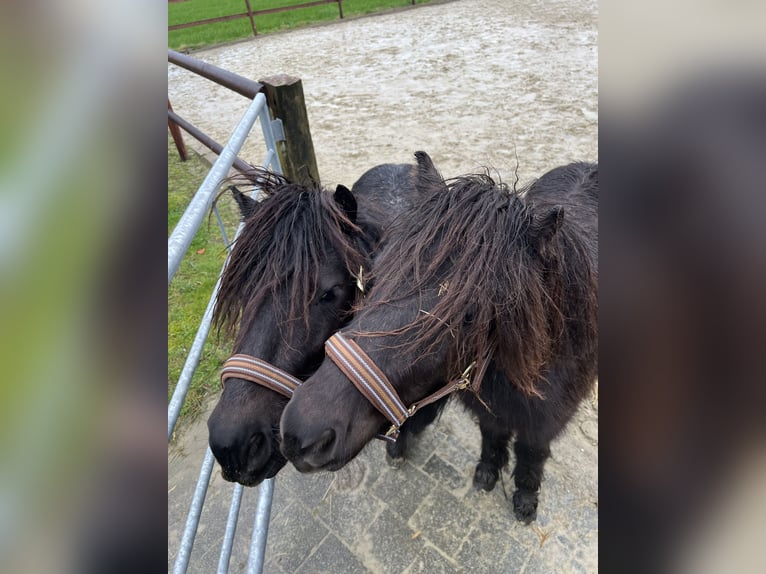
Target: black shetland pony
{"x":290,"y":283}
{"x":481,"y":274}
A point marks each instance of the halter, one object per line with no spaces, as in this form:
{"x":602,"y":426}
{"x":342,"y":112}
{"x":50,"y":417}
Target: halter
{"x":259,"y":372}
{"x":377,"y":389}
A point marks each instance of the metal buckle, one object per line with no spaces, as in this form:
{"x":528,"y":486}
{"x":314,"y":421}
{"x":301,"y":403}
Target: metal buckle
{"x":360,"y":280}
{"x":464,"y":382}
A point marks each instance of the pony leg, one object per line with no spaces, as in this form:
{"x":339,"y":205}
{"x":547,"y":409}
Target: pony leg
{"x":528,"y":473}
{"x":494,"y":456}
{"x":397,"y":451}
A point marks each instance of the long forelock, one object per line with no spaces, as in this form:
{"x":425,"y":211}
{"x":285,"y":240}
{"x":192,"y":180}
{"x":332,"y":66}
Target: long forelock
{"x":284,"y":242}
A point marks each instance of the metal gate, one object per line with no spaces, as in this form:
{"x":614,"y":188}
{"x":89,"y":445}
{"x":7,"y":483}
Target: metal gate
{"x":178,"y":243}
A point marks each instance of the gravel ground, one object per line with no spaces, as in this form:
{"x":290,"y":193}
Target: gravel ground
{"x":472,"y":82}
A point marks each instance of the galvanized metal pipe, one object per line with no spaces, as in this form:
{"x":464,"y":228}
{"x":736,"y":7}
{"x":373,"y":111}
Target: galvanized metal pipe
{"x":222,"y":227}
{"x":187,"y":226}
{"x":263,"y":511}
{"x":231,"y":529}
{"x":195,"y":352}
{"x":192,"y":519}
{"x":270,"y":140}
{"x":192,"y":361}
{"x":269,"y":158}
{"x":260,"y":528}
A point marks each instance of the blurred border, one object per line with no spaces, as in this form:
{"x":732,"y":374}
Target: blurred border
{"x":83,"y":292}
{"x":82,"y":288}
{"x":682,"y":146}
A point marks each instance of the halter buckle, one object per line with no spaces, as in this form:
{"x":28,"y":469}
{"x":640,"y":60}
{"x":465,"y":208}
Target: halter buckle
{"x":464,"y":382}
{"x":360,"y":280}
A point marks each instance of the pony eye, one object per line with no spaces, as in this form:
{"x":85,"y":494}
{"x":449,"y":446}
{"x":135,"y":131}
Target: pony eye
{"x":328,"y":296}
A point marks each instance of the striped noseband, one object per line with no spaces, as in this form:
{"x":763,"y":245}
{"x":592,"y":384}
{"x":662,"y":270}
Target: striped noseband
{"x":375,"y":386}
{"x":259,"y":372}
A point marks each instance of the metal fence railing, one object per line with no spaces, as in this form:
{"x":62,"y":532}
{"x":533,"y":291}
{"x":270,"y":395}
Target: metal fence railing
{"x":178,"y":243}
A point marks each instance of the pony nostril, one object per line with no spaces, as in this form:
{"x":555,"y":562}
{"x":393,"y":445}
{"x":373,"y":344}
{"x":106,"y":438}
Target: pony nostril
{"x":256,"y":446}
{"x":325,"y":441}
{"x":256,"y":441}
{"x":290,"y":446}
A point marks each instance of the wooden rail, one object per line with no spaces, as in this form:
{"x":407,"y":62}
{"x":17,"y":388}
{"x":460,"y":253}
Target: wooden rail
{"x":284,"y":95}
{"x":250,"y":13}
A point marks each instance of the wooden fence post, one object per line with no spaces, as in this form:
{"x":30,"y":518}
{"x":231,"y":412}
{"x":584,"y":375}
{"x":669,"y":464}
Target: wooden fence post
{"x":250,"y":15}
{"x":178,"y":139}
{"x":284,"y":95}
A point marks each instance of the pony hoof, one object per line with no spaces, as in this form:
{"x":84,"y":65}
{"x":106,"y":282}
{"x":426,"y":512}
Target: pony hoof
{"x":395,"y":452}
{"x":395,"y":463}
{"x":525,"y":506}
{"x":485,"y":477}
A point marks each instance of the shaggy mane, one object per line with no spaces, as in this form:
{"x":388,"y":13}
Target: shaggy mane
{"x":502,"y":297}
{"x":291,"y":231}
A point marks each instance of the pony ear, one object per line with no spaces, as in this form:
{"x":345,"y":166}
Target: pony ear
{"x":542,"y":231}
{"x":247,"y":205}
{"x":345,"y":199}
{"x":427,"y":178}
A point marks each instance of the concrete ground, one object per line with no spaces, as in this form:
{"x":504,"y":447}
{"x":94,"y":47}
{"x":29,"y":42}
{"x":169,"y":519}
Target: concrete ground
{"x":473,"y":83}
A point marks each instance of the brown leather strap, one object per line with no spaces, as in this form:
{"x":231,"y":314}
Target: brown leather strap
{"x":375,"y":386}
{"x":367,"y":377}
{"x":260,"y":372}
{"x":462,"y":382}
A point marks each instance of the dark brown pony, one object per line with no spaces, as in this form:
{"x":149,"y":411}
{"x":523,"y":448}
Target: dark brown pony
{"x":476,"y":273}
{"x":290,"y":283}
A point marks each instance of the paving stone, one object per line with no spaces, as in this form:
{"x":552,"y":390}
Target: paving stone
{"x":485,"y":547}
{"x":347,"y":513}
{"x":492,"y":543}
{"x":293,"y":536}
{"x":332,"y":557}
{"x":403,"y":490}
{"x":491,"y":548}
{"x":589,"y":429}
{"x":547,"y":558}
{"x":430,"y":561}
{"x":586,"y":552}
{"x":577,"y":567}
{"x":461,"y":427}
{"x":583,"y":521}
{"x":443,"y":520}
{"x":517,"y":555}
{"x":443,"y":473}
{"x":351,"y":476}
{"x":392,"y":544}
{"x":461,"y":448}
{"x":421,"y":446}
{"x":308,"y":488}
{"x":497,"y":499}
{"x":270,"y":567}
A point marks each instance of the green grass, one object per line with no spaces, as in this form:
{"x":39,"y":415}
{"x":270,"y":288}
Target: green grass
{"x":210,"y":34}
{"x":190,"y":290}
